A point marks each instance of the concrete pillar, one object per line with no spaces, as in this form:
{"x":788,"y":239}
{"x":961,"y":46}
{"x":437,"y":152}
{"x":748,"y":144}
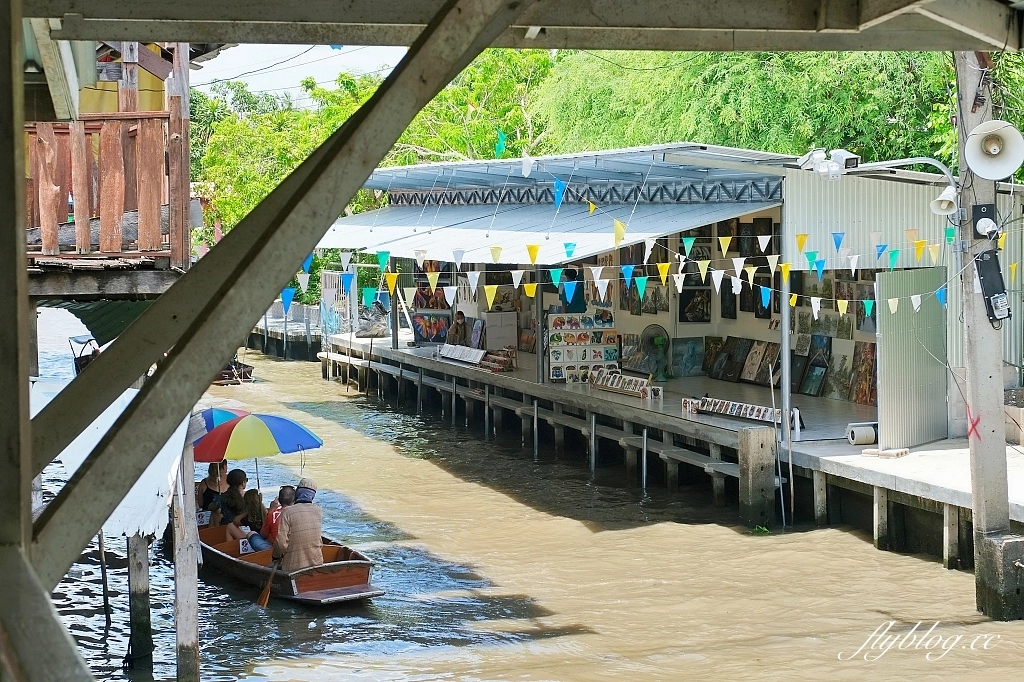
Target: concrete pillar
{"x":717,"y":480}
{"x":632,"y":460}
{"x":141,"y":639}
{"x":998,"y":590}
{"x":671,"y":474}
{"x":950,"y":536}
{"x":33,"y":339}
{"x":757,"y":477}
{"x":881,"y":518}
{"x":527,"y":420}
{"x":820,"y":498}
{"x":499,"y":421}
{"x":559,"y":432}
{"x":186,"y":581}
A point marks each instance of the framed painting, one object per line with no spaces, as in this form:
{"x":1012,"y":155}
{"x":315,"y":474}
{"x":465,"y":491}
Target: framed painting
{"x":712,"y":346}
{"x":695,"y":305}
{"x":820,"y":351}
{"x":746,"y":298}
{"x":747,"y":241}
{"x":728,"y":304}
{"x":814,"y":379}
{"x":797,"y":367}
{"x":753,"y":361}
{"x":688,"y":357}
{"x":692,"y":270}
{"x":761,"y":311}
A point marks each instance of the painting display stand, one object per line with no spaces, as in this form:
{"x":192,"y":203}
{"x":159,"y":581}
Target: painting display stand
{"x":616,"y":382}
{"x":579,"y":345}
{"x":732,"y":408}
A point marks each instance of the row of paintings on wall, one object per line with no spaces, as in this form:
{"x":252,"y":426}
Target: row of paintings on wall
{"x":820,"y":365}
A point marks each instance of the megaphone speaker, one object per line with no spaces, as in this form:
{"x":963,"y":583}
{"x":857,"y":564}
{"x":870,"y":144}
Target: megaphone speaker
{"x":945,"y":203}
{"x":994,"y":150}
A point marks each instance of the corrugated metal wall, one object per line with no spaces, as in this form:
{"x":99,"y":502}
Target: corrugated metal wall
{"x":1009,"y":213}
{"x":858,"y":207}
{"x":911,"y":359}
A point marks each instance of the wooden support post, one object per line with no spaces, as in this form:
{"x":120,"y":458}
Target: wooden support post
{"x":141,"y":640}
{"x":455,"y":385}
{"x":559,"y":432}
{"x":950,"y":536}
{"x":757,"y":477}
{"x":128,"y":86}
{"x":81,"y":185}
{"x":499,"y":420}
{"x":820,"y":498}
{"x":632,"y":460}
{"x":527,"y":419}
{"x":186,"y":580}
{"x":671,"y":474}
{"x":881,"y":518}
{"x":592,"y":419}
{"x":487,"y":411}
{"x":112,"y":183}
{"x":49,"y":190}
{"x":419,"y":391}
{"x":178,"y":158}
{"x":717,"y":479}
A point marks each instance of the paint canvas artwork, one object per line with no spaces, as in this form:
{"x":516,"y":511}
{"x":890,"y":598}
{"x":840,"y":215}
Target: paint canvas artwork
{"x":802,"y":344}
{"x":428,"y":328}
{"x":767,"y":373}
{"x":737,"y":359}
{"x":688,"y":357}
{"x":728,"y":304}
{"x":594,"y":295}
{"x":630,"y":349}
{"x":692,"y":270}
{"x":661,"y":298}
{"x":863,"y":385}
{"x":846,"y":291}
{"x":840,"y":371}
{"x":813,"y":381}
{"x":723,"y":356}
{"x":695,"y":305}
{"x":845,"y":330}
{"x":820,"y":351}
{"x":866,"y":323}
{"x":803,"y":324}
{"x":746,"y":298}
{"x":712,"y":346}
{"x":753,"y":361}
{"x":797,"y":367}
{"x":761,"y":311}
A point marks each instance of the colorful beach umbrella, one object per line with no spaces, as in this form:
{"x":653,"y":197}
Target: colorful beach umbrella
{"x":207,"y":420}
{"x":255,"y":435}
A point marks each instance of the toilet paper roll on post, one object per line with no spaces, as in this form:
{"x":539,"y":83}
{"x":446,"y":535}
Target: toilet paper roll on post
{"x":862,"y":434}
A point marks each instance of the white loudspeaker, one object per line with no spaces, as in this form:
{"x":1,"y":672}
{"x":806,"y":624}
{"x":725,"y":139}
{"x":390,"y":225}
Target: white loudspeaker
{"x":994,"y":150}
{"x":945,"y":203}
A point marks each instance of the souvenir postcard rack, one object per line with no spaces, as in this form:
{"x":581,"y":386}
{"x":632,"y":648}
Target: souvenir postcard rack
{"x":615,"y":381}
{"x":579,"y":345}
{"x":732,"y":409}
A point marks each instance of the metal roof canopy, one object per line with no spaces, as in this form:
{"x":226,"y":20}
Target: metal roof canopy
{"x":403,"y":230}
{"x":777,"y":25}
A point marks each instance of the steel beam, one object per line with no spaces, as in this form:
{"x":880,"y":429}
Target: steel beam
{"x":202,"y":316}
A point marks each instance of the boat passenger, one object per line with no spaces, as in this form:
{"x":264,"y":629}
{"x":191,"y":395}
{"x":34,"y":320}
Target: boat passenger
{"x":210,"y":488}
{"x":285,"y":498}
{"x":299,"y":542}
{"x":236,"y":486}
{"x":234,"y":507}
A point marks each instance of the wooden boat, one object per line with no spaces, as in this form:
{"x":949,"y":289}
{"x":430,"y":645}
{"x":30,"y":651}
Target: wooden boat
{"x":234,"y":372}
{"x":344,"y":575}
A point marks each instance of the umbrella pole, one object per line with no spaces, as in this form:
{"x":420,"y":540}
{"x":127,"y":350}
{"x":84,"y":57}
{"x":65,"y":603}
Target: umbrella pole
{"x":257,"y":473}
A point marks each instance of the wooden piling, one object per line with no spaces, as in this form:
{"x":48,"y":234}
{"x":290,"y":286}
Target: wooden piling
{"x":820,"y":498}
{"x":950,"y":536}
{"x":140,"y":619}
{"x":186,"y":580}
{"x":881,"y":518}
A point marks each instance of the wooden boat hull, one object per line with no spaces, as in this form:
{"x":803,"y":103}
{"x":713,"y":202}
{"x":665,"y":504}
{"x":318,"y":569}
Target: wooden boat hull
{"x":344,"y":575}
{"x":234,"y":373}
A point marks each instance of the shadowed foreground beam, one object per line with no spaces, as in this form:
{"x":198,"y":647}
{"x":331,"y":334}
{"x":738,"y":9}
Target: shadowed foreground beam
{"x":204,"y":315}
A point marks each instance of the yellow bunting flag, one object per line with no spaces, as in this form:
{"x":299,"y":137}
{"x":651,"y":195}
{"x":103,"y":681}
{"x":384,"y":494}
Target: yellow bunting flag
{"x":749,"y":269}
{"x":663,"y":271}
{"x":593,"y":207}
{"x":911,"y":235}
{"x":784,"y":269}
{"x":1002,"y":241}
{"x":801,"y":241}
{"x":495,"y":253}
{"x":1013,"y":272}
{"x":894,"y":303}
{"x":792,"y":300}
{"x":919,"y":248}
{"x":620,"y":231}
{"x":530,"y":289}
{"x":724,"y":243}
{"x":842,"y":305}
{"x":933,"y":251}
{"x":703,"y":265}
{"x":432,"y":279}
{"x":533,"y":250}
{"x":392,"y":279}
{"x":490,"y":290}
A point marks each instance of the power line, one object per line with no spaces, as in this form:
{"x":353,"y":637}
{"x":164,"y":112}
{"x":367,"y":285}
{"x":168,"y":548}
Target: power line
{"x":271,"y":69}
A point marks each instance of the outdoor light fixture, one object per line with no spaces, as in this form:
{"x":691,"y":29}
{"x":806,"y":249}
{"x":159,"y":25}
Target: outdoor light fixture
{"x":945,"y":203}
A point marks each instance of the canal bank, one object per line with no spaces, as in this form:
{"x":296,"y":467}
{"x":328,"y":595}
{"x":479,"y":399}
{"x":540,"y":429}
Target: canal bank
{"x":618,"y":583}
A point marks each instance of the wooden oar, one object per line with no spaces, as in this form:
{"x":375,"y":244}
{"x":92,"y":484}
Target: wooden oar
{"x":265,"y":594}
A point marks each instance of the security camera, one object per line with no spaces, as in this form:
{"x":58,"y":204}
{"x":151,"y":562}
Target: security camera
{"x":846,"y":160}
{"x":811,"y":159}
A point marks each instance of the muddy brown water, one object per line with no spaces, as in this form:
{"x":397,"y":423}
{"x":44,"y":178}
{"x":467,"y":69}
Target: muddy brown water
{"x":502,"y":566}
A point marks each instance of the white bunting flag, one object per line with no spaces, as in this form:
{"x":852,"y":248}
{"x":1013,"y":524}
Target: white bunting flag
{"x":678,"y":279}
{"x":853,"y":264}
{"x":763,"y":240}
{"x":716,"y":277}
{"x":449,"y":294}
{"x":916,"y":300}
{"x":737,"y":264}
{"x":346,"y":258}
{"x":894,"y":304}
{"x":420,"y":254}
{"x":648,"y":247}
{"x":773,"y":262}
{"x":602,"y":287}
{"x":474,"y":280}
{"x":329,"y":296}
{"x":595,"y":272}
{"x":408,"y":293}
{"x":303,"y":278}
{"x":844,"y":252}
{"x":527,"y":165}
{"x":815,"y":305}
{"x":517,"y":277}
{"x":737,"y":284}
{"x":457,"y":255}
{"x":876,"y":238}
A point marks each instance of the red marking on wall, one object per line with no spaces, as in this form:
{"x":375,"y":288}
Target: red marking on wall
{"x":972,"y":428}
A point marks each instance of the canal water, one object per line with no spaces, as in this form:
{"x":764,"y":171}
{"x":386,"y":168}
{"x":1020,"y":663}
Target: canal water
{"x":500,"y":565}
